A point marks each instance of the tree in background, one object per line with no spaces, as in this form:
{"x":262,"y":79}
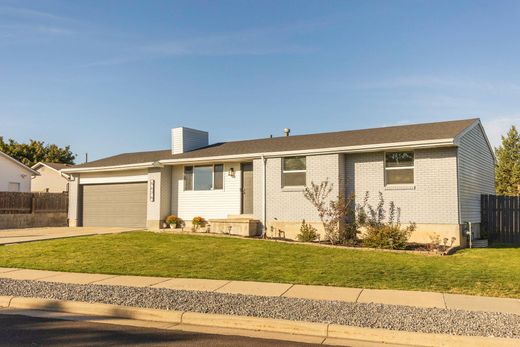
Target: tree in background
{"x":36,"y":151}
{"x":507,"y":173}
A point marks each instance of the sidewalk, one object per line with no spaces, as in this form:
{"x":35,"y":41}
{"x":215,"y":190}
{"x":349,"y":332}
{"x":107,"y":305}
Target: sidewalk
{"x":355,"y":295}
{"x":14,"y":236}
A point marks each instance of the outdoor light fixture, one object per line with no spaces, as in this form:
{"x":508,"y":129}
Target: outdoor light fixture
{"x":231,"y":172}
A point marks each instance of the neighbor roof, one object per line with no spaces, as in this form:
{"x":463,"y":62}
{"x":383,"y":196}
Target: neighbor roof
{"x":391,"y":134}
{"x":55,"y":166}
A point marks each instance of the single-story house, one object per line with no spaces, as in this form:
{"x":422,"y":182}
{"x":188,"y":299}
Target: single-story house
{"x":434,"y":172}
{"x":51,"y":179}
{"x":14,"y":176}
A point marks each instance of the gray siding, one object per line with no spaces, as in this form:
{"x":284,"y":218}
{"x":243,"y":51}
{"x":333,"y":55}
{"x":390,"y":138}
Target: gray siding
{"x":431,"y":200}
{"x":476,"y":173}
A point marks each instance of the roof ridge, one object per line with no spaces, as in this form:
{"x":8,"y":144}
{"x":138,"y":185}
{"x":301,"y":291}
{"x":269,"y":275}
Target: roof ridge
{"x":354,"y":130}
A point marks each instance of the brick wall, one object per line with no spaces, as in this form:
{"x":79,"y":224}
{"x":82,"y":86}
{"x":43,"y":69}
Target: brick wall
{"x":431,"y":200}
{"x":289,"y":204}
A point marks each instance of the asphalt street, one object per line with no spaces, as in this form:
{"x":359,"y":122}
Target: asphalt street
{"x":31,"y":331}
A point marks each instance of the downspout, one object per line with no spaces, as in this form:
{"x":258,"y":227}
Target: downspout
{"x":459,"y":205}
{"x":264,"y":196}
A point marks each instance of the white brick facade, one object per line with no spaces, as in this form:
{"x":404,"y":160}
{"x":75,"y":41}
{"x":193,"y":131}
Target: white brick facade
{"x":431,"y":200}
{"x":289,"y":204}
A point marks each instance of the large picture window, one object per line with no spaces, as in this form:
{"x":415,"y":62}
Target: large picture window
{"x":294,"y":172}
{"x":399,"y":168}
{"x":204,"y":177}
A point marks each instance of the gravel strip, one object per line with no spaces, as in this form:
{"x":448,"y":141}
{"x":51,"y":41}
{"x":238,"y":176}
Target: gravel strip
{"x":427,"y":320}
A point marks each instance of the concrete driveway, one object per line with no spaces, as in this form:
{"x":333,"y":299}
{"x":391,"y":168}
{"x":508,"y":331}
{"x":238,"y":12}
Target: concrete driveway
{"x":11,"y":236}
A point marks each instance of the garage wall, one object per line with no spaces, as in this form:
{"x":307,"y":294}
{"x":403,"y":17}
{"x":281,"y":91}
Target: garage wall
{"x":114,"y":177}
{"x":84,"y":179}
{"x":159,"y":207}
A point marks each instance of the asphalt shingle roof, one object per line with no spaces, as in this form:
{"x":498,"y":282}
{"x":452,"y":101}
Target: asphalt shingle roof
{"x":391,"y":134}
{"x":58,"y":166}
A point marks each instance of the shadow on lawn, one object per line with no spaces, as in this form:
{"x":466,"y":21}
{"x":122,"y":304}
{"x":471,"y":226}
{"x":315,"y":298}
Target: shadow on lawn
{"x":503,"y":245}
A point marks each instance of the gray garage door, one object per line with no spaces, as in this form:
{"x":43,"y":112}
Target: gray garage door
{"x":121,"y":205}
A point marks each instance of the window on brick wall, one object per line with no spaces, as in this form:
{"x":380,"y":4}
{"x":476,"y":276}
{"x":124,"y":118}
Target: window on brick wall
{"x":294,"y":171}
{"x":399,"y":168}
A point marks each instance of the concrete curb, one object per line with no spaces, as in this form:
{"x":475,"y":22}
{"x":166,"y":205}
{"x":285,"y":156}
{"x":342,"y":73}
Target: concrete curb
{"x":330,"y":333}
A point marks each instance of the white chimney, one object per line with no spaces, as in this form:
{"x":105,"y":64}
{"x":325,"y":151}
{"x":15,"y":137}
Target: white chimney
{"x":187,"y":139}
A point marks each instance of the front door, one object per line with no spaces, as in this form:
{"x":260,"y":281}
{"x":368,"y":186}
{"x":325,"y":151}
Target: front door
{"x":247,"y":188}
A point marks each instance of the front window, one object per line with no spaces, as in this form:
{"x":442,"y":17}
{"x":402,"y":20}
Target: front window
{"x":207,"y":177}
{"x":294,"y":172}
{"x":399,"y":168}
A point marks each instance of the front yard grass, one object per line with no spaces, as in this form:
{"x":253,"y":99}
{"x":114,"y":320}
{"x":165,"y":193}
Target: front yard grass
{"x":490,"y":272}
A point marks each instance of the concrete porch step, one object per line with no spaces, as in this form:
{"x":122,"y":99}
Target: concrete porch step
{"x":235,"y":226}
{"x":241,"y":216}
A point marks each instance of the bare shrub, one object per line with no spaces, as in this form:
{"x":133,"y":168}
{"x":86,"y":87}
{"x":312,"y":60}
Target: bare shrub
{"x":337,"y":216}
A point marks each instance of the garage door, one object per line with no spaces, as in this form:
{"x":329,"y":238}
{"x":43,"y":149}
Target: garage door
{"x":122,"y":205}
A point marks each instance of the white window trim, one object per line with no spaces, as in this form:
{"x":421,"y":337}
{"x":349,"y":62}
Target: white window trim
{"x":404,"y":185}
{"x":212,"y":178}
{"x":293,"y":188}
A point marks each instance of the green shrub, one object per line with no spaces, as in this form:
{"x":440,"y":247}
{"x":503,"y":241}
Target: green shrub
{"x":381,"y":232}
{"x":307,"y":233}
{"x":390,"y":236}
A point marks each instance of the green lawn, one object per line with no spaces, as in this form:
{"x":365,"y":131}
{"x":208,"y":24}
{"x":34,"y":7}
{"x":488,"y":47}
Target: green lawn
{"x":492,"y":272}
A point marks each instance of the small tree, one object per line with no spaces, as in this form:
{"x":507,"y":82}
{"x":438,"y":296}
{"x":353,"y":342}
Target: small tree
{"x":337,"y":216}
{"x":507,"y":173}
{"x":307,"y":233}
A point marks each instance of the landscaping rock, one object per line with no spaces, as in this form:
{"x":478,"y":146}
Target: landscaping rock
{"x":427,"y":320}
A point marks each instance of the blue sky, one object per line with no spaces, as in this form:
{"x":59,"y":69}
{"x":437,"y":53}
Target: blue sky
{"x":115,"y":76}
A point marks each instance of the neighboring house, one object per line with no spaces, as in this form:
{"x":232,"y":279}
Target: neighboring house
{"x":434,"y":172}
{"x":51,"y":179}
{"x":14,"y":176}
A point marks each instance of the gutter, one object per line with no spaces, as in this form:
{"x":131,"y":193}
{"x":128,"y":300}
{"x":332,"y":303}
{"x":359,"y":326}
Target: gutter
{"x":110,"y":168}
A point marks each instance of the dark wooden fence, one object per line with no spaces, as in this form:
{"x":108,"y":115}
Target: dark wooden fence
{"x":501,"y":218}
{"x":17,"y":202}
